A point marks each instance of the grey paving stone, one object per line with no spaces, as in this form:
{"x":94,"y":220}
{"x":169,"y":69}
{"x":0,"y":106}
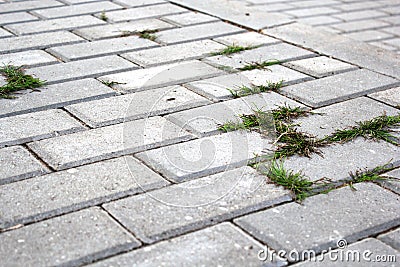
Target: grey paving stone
{"x":178,"y":209}
{"x":352,"y":6}
{"x":75,"y":10}
{"x":35,"y":126}
{"x":4,"y":33}
{"x":121,"y":29}
{"x":367,"y":252}
{"x":27,"y":58}
{"x":333,"y":89}
{"x":312,"y":11}
{"x":159,"y":76}
{"x":206,"y":156}
{"x":37,"y":41}
{"x":172,"y":53}
{"x":343,"y":115}
{"x":54,"y":96}
{"x":340,"y":159}
{"x":392,"y":19}
{"x":72,"y":239}
{"x":340,"y":214}
{"x":320,"y":66}
{"x":197,"y":32}
{"x":393,"y":30}
{"x":136,"y":3}
{"x":220,"y":245}
{"x":136,"y":106}
{"x":28,"y":5}
{"x":392,"y":184}
{"x":390,"y":96}
{"x":393,"y":42}
{"x":17,"y":164}
{"x":108,"y":142}
{"x":16,"y":17}
{"x":367,"y":36}
{"x":319,"y":20}
{"x":101,"y":48}
{"x":67,"y":191}
{"x":281,"y":52}
{"x":81,"y":69}
{"x":380,"y":44}
{"x":204,"y":121}
{"x":313,"y":3}
{"x":144,"y":12}
{"x":391,"y":238}
{"x":358,"y":25}
{"x":246,"y":39}
{"x":53,"y":24}
{"x":187,"y":19}
{"x":360,"y":15}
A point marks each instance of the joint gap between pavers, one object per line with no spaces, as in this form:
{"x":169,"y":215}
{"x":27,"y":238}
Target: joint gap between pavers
{"x":382,"y":185}
{"x":380,"y":101}
{"x":182,"y":26}
{"x":35,"y":155}
{"x":88,"y":127}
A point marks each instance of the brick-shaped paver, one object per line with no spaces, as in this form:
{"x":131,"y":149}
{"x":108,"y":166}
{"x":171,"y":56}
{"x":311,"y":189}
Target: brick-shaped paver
{"x":144,"y":12}
{"x":136,"y":106}
{"x":72,"y":239}
{"x":159,"y":76}
{"x":206,"y":156}
{"x":81,"y":69}
{"x":16,"y":17}
{"x":197,"y":32}
{"x":171,"y":53}
{"x":27,"y":58}
{"x":391,"y":238}
{"x":28,"y":5}
{"x":319,"y":20}
{"x":394,"y":182}
{"x":108,"y":142}
{"x":351,"y":157}
{"x":367,"y":211}
{"x":333,"y":89}
{"x":135,"y":3}
{"x":101,"y":48}
{"x":359,"y":5}
{"x":35,"y":126}
{"x":280,"y":52}
{"x":390,"y":96}
{"x":121,"y":29}
{"x":313,"y":11}
{"x":220,"y":245}
{"x":17,"y":164}
{"x":68,"y":23}
{"x":187,"y":19}
{"x":320,"y":66}
{"x":369,"y":35}
{"x":353,"y":26}
{"x":38,"y":41}
{"x":343,"y":115}
{"x":66,"y":191}
{"x":247,"y":39}
{"x":204,"y":121}
{"x":178,"y":209}
{"x":394,"y":30}
{"x":75,"y":10}
{"x":54,"y":96}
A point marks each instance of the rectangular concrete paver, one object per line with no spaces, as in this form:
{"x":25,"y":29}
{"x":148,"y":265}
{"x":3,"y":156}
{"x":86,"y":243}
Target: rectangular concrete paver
{"x":178,"y":209}
{"x":246,"y":39}
{"x":16,"y":17}
{"x":136,"y":3}
{"x":27,"y":58}
{"x":393,"y":183}
{"x":187,"y":19}
{"x":35,"y":126}
{"x":72,"y":239}
{"x":311,"y":225}
{"x":66,"y":191}
{"x":108,"y":142}
{"x":390,"y":96}
{"x":28,"y":5}
{"x":391,"y":238}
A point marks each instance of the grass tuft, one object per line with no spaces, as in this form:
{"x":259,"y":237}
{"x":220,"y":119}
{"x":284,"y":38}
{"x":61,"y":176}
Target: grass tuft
{"x":103,"y":16}
{"x":148,"y":34}
{"x":287,"y":113}
{"x":246,"y":90}
{"x":260,"y":65}
{"x":232,"y":49}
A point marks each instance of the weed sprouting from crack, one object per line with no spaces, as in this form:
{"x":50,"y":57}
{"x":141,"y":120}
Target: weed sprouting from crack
{"x":366,"y":175}
{"x":251,"y":90}
{"x":103,"y":16}
{"x":17,"y":80}
{"x":110,"y":83}
{"x":232,"y":49}
{"x":148,"y":34}
{"x":287,"y":113}
{"x":260,"y":65}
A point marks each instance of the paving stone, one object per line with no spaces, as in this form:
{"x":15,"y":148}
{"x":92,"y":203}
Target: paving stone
{"x":320,"y":66}
{"x":392,"y":10}
{"x":246,"y":39}
{"x":101,"y":48}
{"x":54,"y":24}
{"x":393,"y":42}
{"x":136,"y":3}
{"x":72,"y":239}
{"x":314,"y":3}
{"x":390,"y":96}
{"x":16,"y":17}
{"x":343,"y":115}
{"x":66,"y":191}
{"x":159,"y":76}
{"x":35,"y":126}
{"x":319,"y":20}
{"x":108,"y":142}
{"x":197,"y":32}
{"x":204,"y":121}
{"x":367,"y":36}
{"x":17,"y":164}
{"x":75,"y":10}
{"x":28,"y":5}
{"x":4,"y":33}
{"x":350,"y":156}
{"x":144,"y":12}
{"x":380,"y":44}
{"x":313,"y":11}
{"x":27,"y":59}
{"x":206,"y":156}
{"x":136,"y":106}
{"x":121,"y":29}
{"x":193,"y":205}
{"x":392,"y":19}
{"x":393,"y":30}
{"x":355,"y":215}
{"x":220,"y":245}
{"x":391,"y":238}
{"x":37,"y":41}
{"x":81,"y":69}
{"x":392,"y":184}
{"x":360,"y":15}
{"x":333,"y":89}
{"x":360,"y":25}
{"x":367,"y":252}
{"x":281,"y":52}
{"x":73,"y":2}
{"x":187,"y":19}
{"x":171,"y":53}
{"x":360,"y":5}
{"x":54,"y":96}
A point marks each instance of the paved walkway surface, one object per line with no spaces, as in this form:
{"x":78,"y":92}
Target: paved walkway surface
{"x":118,"y":160}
